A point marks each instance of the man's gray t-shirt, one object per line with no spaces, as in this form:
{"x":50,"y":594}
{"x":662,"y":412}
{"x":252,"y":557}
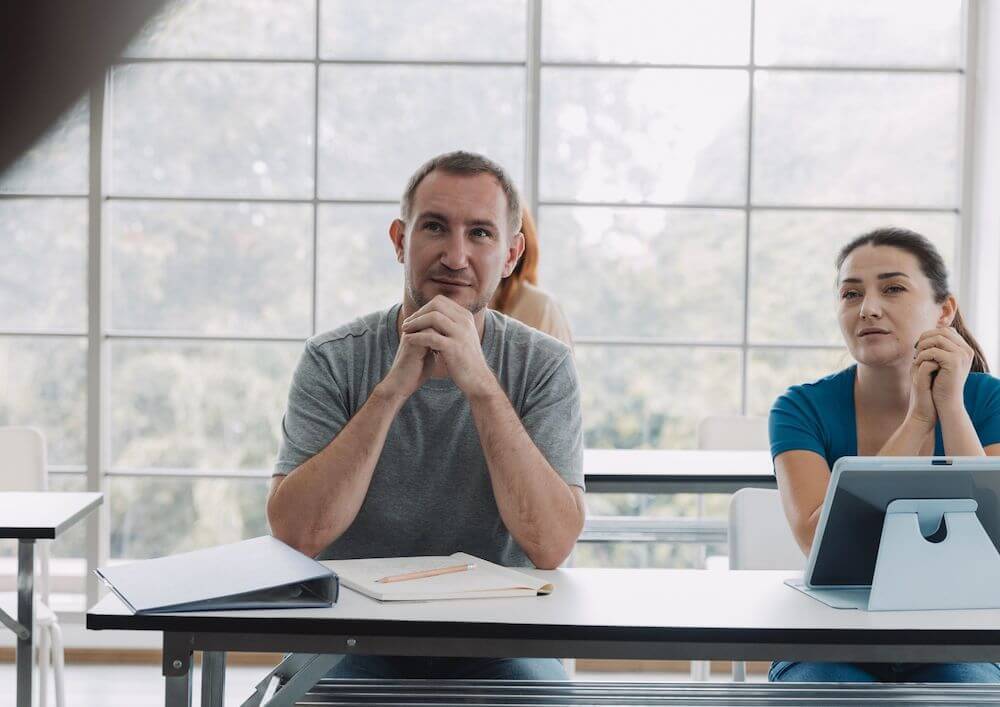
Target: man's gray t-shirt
{"x":430,"y":493}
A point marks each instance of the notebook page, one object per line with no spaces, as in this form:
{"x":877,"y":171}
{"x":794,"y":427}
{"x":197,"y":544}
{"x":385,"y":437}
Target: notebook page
{"x":484,"y":580}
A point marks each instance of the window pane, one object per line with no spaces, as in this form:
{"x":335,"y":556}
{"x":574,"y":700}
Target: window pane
{"x":858,"y":32}
{"x":153,"y":517}
{"x":243,"y":269}
{"x":862,"y":139}
{"x":378,"y":124}
{"x":356,"y":268}
{"x":650,"y":397}
{"x":650,"y":31}
{"x":218,"y":129}
{"x":643,"y":135}
{"x":43,"y":264}
{"x":58,"y":162}
{"x":199,"y":406}
{"x":413,"y":30}
{"x":278,"y":29}
{"x":43,"y":383}
{"x":645,"y":272}
{"x":772,"y":371}
{"x":72,"y":543}
{"x":793,"y":297}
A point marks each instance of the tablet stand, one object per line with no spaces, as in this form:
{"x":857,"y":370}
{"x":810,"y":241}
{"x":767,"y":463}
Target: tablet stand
{"x":935,"y":554}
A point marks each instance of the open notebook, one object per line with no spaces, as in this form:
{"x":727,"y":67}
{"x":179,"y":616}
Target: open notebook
{"x":485,"y":581}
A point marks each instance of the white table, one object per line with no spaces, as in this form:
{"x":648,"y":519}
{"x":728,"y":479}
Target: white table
{"x":666,"y":471}
{"x":676,"y":470}
{"x":29,"y":517}
{"x":593,"y":613}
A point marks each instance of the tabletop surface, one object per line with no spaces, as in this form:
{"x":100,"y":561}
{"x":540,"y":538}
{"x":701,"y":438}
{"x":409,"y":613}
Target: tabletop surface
{"x":677,"y":462}
{"x":43,"y":514}
{"x":616,"y":601}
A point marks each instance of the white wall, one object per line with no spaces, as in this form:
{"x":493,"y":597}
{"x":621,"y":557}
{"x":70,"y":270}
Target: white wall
{"x":984,"y":248}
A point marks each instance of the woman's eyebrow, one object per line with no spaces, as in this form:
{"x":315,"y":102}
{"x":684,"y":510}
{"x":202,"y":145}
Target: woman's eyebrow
{"x":881,"y":276}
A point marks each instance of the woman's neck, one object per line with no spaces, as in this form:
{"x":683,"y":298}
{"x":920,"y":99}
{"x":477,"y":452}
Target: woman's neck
{"x":883,"y":388}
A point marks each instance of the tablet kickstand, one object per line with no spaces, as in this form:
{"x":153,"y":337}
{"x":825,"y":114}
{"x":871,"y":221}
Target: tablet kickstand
{"x":935,"y":554}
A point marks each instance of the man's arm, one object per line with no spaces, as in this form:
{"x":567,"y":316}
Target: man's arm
{"x":314,"y":504}
{"x":543,"y":513}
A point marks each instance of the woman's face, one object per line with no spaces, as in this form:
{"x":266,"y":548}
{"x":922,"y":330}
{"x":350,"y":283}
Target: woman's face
{"x":885,"y":304}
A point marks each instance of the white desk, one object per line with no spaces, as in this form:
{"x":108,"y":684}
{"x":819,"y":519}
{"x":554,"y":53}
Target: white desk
{"x":665,"y":471}
{"x":593,"y":613}
{"x":676,"y":470}
{"x":29,"y":517}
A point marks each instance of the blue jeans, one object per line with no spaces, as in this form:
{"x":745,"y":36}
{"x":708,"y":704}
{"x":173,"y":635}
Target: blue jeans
{"x":785,"y":671}
{"x":404,"y":667}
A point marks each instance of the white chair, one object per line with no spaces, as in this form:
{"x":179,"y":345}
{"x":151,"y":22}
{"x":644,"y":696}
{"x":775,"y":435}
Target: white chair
{"x":23,"y":467}
{"x":760,"y":539}
{"x":733,"y":432}
{"x":726,"y":432}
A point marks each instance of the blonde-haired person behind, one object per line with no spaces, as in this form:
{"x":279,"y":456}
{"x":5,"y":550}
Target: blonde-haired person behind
{"x":519,"y":296}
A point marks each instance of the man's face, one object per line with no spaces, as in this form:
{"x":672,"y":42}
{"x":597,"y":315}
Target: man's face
{"x":457,"y":241}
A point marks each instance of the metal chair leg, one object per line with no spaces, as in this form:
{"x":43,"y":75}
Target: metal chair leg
{"x":58,"y":664}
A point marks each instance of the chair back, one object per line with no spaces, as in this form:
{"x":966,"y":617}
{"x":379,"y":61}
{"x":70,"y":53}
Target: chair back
{"x":733,"y":432}
{"x":24,"y":467}
{"x":23,"y":463}
{"x":759,"y":535}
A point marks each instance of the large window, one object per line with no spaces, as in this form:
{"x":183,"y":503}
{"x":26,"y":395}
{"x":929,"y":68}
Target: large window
{"x":694,"y":167}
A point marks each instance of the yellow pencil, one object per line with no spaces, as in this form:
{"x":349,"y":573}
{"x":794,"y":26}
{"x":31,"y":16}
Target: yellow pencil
{"x":425,"y":573}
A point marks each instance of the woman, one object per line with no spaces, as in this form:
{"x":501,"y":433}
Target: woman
{"x":920,"y":387}
{"x":518,"y":296}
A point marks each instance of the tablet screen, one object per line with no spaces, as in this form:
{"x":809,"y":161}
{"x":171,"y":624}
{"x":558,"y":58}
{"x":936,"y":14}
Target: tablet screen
{"x":849,"y":544}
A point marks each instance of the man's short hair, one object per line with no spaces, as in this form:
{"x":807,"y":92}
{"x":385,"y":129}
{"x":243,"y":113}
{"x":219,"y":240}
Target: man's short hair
{"x":465,"y":164}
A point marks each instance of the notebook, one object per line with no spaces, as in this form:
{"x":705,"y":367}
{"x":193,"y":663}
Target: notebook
{"x":260,"y":573}
{"x":485,"y":581}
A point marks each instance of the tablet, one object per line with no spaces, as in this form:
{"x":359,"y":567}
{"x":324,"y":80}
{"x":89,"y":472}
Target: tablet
{"x":850,"y":525}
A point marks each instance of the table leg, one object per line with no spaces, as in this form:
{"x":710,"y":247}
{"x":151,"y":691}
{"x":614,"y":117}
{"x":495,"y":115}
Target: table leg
{"x":213,"y":678}
{"x":25,"y":617}
{"x":176,"y":670}
{"x":178,"y":691}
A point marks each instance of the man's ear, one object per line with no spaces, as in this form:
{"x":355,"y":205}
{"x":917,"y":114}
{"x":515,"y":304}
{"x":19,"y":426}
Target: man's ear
{"x":514,"y":253}
{"x":949,"y":308}
{"x":397,"y":234}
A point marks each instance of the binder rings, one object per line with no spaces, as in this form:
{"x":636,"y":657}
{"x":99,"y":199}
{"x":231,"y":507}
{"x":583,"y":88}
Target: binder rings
{"x":260,"y":573}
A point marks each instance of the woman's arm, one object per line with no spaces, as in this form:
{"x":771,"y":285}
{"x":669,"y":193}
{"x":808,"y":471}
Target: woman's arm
{"x":959,"y":434}
{"x":803,"y":478}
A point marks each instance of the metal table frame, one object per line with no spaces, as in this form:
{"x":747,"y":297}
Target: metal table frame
{"x":448,"y":693}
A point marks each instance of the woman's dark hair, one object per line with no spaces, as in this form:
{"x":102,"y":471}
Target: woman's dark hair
{"x":931,"y":265}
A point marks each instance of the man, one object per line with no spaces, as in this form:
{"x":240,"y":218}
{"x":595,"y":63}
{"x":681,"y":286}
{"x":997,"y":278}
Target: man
{"x":438,"y":425}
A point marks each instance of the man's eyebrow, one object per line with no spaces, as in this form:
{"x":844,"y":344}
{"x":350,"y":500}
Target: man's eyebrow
{"x":433,"y":215}
{"x":483,"y":222}
{"x":881,"y":276}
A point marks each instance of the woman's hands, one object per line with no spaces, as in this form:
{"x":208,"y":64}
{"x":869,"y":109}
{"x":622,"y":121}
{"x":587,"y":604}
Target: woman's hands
{"x":922,"y":410}
{"x":941,"y":364}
